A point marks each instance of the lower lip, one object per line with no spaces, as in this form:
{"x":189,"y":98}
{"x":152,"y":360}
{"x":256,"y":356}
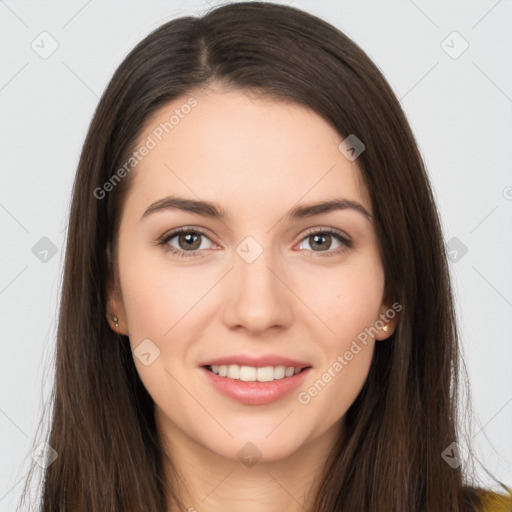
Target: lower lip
{"x":256,"y":393}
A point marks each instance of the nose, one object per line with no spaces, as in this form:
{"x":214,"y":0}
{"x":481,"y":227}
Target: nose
{"x":257,"y":296}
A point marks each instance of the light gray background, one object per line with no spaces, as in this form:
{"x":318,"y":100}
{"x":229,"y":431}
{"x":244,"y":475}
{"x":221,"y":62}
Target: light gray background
{"x":459,"y":108}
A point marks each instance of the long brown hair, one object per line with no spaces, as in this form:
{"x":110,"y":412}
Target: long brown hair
{"x":406,"y":415}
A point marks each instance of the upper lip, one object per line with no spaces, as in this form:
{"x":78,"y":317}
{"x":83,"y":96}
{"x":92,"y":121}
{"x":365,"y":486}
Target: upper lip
{"x":257,"y":362}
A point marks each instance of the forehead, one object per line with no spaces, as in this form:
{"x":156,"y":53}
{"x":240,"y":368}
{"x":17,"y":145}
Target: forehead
{"x":243,"y":151}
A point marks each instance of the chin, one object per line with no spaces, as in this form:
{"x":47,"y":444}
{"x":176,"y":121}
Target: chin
{"x":255,"y":446}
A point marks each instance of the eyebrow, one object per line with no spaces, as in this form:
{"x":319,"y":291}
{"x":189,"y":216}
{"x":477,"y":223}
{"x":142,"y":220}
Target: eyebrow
{"x":214,"y":211}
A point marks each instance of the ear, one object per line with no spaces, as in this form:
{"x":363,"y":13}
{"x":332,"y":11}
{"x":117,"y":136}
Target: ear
{"x":389,"y":313}
{"x":115,"y":306}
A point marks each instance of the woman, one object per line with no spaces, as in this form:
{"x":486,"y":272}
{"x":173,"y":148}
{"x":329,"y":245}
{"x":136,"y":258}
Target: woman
{"x":256,"y":310}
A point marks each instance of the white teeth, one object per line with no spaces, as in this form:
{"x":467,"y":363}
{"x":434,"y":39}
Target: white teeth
{"x":233,"y":371}
{"x":252,"y":374}
{"x":265,"y":374}
{"x":279,"y":372}
{"x":247,"y":373}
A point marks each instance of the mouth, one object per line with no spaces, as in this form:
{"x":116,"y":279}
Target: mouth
{"x":255,"y":385}
{"x":255,"y":374}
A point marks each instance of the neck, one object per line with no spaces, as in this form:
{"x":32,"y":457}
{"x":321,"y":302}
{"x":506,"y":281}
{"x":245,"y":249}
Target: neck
{"x":209,"y":482}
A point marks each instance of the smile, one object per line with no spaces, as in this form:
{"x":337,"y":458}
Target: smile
{"x":254,"y":374}
{"x":255,"y":385}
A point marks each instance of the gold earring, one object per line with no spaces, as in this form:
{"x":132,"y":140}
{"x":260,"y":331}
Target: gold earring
{"x":385,"y":328}
{"x":115,"y":319}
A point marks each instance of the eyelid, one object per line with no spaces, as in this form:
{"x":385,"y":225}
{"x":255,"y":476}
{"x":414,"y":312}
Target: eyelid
{"x":169,"y":235}
{"x":312,"y":231}
{"x":345,"y":240}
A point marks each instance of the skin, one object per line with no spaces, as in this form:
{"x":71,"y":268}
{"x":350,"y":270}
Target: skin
{"x":257,"y":158}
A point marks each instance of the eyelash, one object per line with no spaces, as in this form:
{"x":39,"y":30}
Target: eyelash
{"x":163,"y":241}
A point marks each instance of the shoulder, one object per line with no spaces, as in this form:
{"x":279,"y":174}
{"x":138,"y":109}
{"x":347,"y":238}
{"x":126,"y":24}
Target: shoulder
{"x":493,"y":502}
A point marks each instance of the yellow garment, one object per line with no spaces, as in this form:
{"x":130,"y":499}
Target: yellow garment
{"x":493,"y":502}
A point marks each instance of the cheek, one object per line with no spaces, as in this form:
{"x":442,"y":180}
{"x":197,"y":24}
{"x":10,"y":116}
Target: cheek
{"x":156,"y":301}
{"x":327,"y":397}
{"x":156,"y":296}
{"x":348,"y":298}
{"x":349,"y":305}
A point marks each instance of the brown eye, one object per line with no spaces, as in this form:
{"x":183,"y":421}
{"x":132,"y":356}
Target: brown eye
{"x":185,"y":242}
{"x":321,"y":241}
{"x":189,"y":241}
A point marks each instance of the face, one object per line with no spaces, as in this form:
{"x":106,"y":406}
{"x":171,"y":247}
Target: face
{"x":248,"y":276}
